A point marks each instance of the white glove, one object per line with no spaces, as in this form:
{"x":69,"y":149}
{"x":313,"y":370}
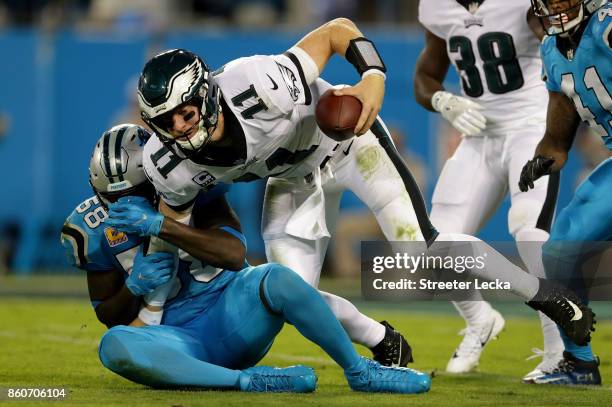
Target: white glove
{"x":462,"y":113}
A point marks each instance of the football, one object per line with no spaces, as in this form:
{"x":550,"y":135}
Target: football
{"x":337,"y":116}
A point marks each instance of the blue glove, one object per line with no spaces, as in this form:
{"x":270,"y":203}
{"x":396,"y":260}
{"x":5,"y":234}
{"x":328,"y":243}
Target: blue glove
{"x":149,"y":272}
{"x":134,"y":215}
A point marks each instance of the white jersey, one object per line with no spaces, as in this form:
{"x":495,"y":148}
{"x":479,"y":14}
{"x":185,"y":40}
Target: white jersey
{"x":272,"y":108}
{"x":495,"y":53}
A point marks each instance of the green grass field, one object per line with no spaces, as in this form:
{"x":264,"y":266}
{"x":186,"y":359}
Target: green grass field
{"x":52,"y":342}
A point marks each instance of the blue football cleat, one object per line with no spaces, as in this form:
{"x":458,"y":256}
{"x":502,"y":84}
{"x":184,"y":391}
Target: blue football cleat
{"x":294,"y":379}
{"x":572,"y":371}
{"x":375,"y":378}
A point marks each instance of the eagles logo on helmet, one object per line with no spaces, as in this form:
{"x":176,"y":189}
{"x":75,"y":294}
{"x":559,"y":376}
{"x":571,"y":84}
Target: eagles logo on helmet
{"x":173,"y":79}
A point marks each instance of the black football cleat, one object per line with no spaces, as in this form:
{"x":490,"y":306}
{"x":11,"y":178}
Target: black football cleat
{"x":393,"y":350}
{"x":566,"y":310}
{"x":572,"y":371}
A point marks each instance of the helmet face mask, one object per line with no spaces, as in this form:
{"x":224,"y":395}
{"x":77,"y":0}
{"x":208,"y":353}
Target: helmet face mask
{"x":170,"y":81}
{"x":115,"y":168}
{"x":562,"y":17}
{"x":145,"y":190}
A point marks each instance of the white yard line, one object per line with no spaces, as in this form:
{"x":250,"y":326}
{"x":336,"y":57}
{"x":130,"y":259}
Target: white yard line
{"x":52,"y":338}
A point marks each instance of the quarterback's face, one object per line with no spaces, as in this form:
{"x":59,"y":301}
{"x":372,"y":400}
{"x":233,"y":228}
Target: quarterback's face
{"x":185,"y":120}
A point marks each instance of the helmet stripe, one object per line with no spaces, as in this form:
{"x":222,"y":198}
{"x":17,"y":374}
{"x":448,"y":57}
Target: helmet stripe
{"x":118,"y":167}
{"x":111,"y":153}
{"x":106,"y":156}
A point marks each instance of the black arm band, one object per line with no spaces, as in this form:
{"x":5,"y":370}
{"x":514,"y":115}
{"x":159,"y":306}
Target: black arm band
{"x":362,"y":54}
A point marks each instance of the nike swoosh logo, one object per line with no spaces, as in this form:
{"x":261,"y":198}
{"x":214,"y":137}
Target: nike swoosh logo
{"x":275,"y":86}
{"x":577,"y":313}
{"x":545,"y":380}
{"x":348,"y":148}
{"x":482,"y":344}
{"x":399,"y":356}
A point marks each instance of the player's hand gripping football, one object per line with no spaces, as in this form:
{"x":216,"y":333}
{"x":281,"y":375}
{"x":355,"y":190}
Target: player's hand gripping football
{"x":370,"y":91}
{"x":134,"y":215}
{"x":149,"y":272}
{"x":461,"y":113}
{"x":533,"y":170}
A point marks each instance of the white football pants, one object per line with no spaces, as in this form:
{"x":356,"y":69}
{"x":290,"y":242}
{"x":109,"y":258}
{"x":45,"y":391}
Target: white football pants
{"x":361,"y":165}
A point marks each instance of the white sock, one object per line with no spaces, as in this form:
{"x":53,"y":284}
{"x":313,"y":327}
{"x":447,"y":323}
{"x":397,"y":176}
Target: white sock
{"x":474,"y":311}
{"x":360,"y":328}
{"x":552,"y":338}
{"x":529,"y":243}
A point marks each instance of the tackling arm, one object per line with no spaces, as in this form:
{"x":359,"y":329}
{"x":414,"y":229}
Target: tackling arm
{"x":214,"y":237}
{"x":206,"y":241}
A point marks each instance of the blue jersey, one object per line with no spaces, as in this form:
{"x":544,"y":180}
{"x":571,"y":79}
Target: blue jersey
{"x":585,"y":76}
{"x":94,"y":247}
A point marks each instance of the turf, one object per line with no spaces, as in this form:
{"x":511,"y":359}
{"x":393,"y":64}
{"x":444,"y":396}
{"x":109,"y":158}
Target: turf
{"x":52,"y":343}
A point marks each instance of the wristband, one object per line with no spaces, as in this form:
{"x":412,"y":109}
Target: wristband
{"x":362,"y":54}
{"x":150,"y":317}
{"x":437,"y":97}
{"x":374,"y":72}
{"x":155,"y":226}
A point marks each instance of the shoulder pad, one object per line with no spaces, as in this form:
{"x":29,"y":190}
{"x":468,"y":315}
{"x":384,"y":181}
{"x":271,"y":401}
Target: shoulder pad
{"x":428,"y":19}
{"x":273,"y":82}
{"x":84,"y":249}
{"x":159,"y":164}
{"x":602,"y":26}
{"x":83,"y":236}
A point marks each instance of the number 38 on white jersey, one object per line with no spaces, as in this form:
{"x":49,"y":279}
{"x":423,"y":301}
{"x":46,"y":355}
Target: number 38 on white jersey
{"x":495,"y":53}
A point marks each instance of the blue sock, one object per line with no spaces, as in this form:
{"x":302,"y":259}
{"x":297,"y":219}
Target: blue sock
{"x":579,"y":352}
{"x":302,"y":305}
{"x":155,"y":358}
